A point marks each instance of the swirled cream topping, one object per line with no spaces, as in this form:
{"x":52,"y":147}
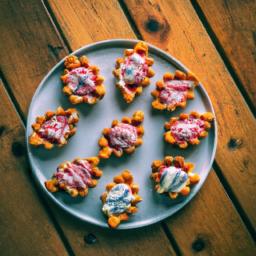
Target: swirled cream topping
{"x":185,"y":130}
{"x":175,"y":91}
{"x":81,"y":81}
{"x":172,"y":179}
{"x":133,"y":71}
{"x":55,"y":129}
{"x":77,"y":174}
{"x":123,"y":136}
{"x":118,"y":199}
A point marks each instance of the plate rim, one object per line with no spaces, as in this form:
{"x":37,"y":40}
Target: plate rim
{"x":170,"y":59}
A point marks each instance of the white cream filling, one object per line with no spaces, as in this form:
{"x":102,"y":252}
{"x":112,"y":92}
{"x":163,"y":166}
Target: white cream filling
{"x":172,"y":180}
{"x":118,"y":200}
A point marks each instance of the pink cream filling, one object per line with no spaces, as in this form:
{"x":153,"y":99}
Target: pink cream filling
{"x":188,"y":129}
{"x":175,"y":92}
{"x":75,"y":175}
{"x":54,"y":129}
{"x":123,"y":136}
{"x":81,"y":81}
{"x":133,"y":71}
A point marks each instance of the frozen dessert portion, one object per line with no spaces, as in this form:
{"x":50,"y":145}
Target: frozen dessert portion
{"x":54,"y":128}
{"x":133,"y":71}
{"x":173,"y":176}
{"x":120,"y":199}
{"x":82,"y":82}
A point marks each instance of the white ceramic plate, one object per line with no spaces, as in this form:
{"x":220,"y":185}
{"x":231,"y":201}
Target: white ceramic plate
{"x":93,"y":119}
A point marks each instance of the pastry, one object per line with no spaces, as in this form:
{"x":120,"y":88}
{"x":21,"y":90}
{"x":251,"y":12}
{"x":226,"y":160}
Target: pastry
{"x":187,"y":128}
{"x":82,"y":82}
{"x":133,"y":71}
{"x":120,"y":199}
{"x":123,"y":136}
{"x":174,"y":90}
{"x":173,"y":176}
{"x":54,"y":128}
{"x":75,"y":177}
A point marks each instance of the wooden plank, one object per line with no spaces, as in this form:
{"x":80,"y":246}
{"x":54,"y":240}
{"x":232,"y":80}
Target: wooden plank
{"x":25,"y":227}
{"x":101,"y":20}
{"x":175,"y":27}
{"x":211,"y":223}
{"x":22,"y":70}
{"x":143,"y":241}
{"x":234,"y":25}
{"x":34,"y":47}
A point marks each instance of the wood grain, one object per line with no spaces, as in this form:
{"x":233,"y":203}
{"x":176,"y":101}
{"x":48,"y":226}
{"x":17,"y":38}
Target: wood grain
{"x":22,"y":24}
{"x":32,"y":57}
{"x":143,"y":241}
{"x":208,"y":225}
{"x":175,"y":27}
{"x":210,"y":228}
{"x":234,"y":25}
{"x":25,"y":227}
{"x":101,"y":20}
{"x":76,"y":235}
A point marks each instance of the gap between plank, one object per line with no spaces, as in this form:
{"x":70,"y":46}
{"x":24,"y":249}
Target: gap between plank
{"x":223,"y":55}
{"x":234,"y":200}
{"x":130,"y":19}
{"x":56,"y":25}
{"x":13,"y":98}
{"x":171,"y":239}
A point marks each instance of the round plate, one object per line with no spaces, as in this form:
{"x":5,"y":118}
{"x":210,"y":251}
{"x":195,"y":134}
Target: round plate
{"x":93,"y":119}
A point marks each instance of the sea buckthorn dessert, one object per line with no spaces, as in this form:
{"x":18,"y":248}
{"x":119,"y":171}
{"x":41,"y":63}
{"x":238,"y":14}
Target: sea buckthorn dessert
{"x":120,"y":199}
{"x":123,"y":136}
{"x":133,"y":71}
{"x":54,"y":128}
{"x":174,"y":90}
{"x":173,"y":176}
{"x":75,"y":177}
{"x":82,"y":82}
{"x":187,"y":128}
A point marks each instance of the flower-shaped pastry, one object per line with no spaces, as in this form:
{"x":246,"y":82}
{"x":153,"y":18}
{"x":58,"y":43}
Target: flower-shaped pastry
{"x":120,"y":199}
{"x":187,"y":128}
{"x":133,"y":71}
{"x":122,"y":136}
{"x":173,"y":176}
{"x":54,"y":128}
{"x":75,"y":177}
{"x":82,"y":81}
{"x":174,"y":90}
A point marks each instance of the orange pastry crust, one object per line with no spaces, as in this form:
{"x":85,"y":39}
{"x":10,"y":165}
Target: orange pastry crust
{"x":75,"y":177}
{"x":187,"y":128}
{"x":54,"y":128}
{"x":123,"y":136}
{"x":173,"y":176}
{"x":133,"y":71}
{"x":82,"y":82}
{"x":174,"y":90}
{"x":126,"y":189}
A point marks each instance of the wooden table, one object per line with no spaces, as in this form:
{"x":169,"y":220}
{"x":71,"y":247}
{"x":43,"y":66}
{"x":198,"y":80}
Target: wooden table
{"x":215,"y":39}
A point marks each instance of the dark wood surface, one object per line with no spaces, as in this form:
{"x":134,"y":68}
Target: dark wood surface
{"x":221,"y":219}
